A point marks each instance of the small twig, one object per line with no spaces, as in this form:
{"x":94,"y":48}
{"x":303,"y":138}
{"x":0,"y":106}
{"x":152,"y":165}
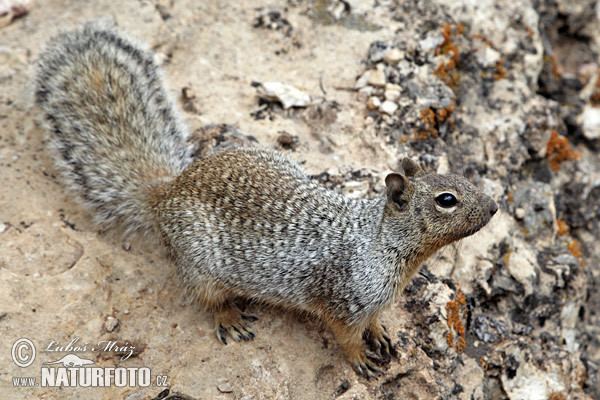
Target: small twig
{"x":321,"y":85}
{"x":345,"y":88}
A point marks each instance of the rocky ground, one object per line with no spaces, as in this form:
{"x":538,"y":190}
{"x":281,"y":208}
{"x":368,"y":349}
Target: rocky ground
{"x":506,"y":92}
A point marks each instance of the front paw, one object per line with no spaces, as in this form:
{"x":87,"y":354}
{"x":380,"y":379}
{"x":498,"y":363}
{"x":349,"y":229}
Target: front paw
{"x":378,"y":340}
{"x":367,"y":364}
{"x":235,"y":324}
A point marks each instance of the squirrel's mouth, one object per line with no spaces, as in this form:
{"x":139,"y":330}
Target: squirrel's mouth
{"x":473,"y":230}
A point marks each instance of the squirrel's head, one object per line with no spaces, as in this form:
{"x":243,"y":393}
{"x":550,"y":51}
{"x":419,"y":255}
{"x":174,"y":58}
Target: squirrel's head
{"x":444,"y":208}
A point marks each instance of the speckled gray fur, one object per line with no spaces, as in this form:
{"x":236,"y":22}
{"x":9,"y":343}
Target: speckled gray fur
{"x":243,"y":222}
{"x":261,"y":227}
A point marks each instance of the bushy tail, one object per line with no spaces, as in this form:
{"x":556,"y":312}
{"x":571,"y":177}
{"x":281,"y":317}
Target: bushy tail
{"x":116,"y":131}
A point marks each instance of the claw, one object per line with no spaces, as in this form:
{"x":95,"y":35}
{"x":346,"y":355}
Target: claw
{"x":367,"y":369}
{"x":379,"y":341}
{"x":243,"y":333}
{"x":231,"y":322}
{"x":222,"y":334}
{"x":375,"y":357}
{"x":366,"y":364}
{"x":373,"y":368}
{"x":391,"y":349}
{"x":358,"y":369}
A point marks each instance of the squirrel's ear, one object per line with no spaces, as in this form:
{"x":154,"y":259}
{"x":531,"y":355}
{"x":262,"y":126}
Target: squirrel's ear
{"x":396,"y":185}
{"x":410,"y":167}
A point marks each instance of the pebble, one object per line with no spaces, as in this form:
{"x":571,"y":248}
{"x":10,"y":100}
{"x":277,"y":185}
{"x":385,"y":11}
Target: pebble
{"x":365,"y":93}
{"x":393,"y":86}
{"x":388,"y":107}
{"x":373,"y":103}
{"x":362,"y":81}
{"x":3,"y":227}
{"x":287,"y":95}
{"x":391,"y":95}
{"x":188,"y":98}
{"x":376,"y":77}
{"x":224,"y":386}
{"x":432,"y":41}
{"x":487,"y":56}
{"x":519,"y":213}
{"x":111,"y":324}
{"x":392,"y":56}
{"x":288,"y":141}
{"x":590,"y":121}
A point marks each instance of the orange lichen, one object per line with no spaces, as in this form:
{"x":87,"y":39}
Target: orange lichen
{"x":443,"y":114}
{"x":595,"y":97}
{"x":574,"y":248}
{"x":506,"y":258}
{"x":446,"y":71}
{"x":562,"y":228}
{"x":500,"y":70}
{"x":557,"y":396}
{"x":421,"y":135}
{"x":461,"y":343}
{"x":509,"y":197}
{"x":432,"y":119}
{"x":484,"y":39}
{"x":554,"y":66}
{"x":427,"y":116}
{"x":558,"y":149}
{"x":448,"y":46}
{"x":483,"y":363}
{"x":453,"y":310}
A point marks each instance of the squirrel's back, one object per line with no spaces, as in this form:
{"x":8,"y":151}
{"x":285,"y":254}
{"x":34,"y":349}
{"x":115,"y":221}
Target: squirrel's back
{"x":117,"y":134}
{"x":251,"y":219}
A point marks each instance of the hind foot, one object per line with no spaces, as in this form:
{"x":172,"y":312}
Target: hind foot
{"x":366,"y":363}
{"x":233,"y":323}
{"x":378,"y":340}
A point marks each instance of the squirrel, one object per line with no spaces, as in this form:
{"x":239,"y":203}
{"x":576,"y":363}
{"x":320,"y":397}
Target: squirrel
{"x":243,"y":222}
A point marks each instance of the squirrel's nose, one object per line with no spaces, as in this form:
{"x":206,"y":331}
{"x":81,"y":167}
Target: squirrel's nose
{"x":493,"y":208}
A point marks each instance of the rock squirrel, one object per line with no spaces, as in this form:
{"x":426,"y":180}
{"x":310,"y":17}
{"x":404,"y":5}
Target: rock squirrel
{"x":243,"y":222}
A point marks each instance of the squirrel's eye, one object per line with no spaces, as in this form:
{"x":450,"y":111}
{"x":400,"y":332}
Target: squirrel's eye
{"x":446,"y":200}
